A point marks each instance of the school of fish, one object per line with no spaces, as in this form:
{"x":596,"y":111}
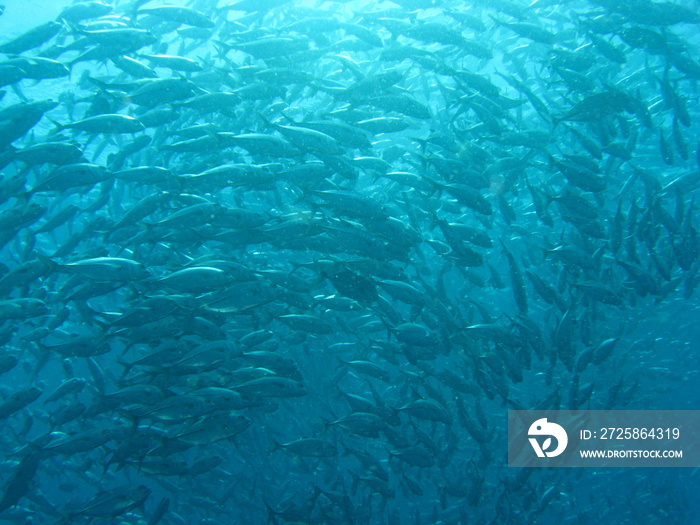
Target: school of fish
{"x":267,"y":261}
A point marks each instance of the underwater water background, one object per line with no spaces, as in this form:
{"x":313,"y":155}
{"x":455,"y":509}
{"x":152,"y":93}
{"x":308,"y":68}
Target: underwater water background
{"x":296,"y":264}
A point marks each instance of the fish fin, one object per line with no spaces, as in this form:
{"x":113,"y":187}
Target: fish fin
{"x":264,"y":119}
{"x":18,"y":91}
{"x":276,"y":446}
{"x":505,"y":248}
{"x":290,"y":119}
{"x":59,"y":127}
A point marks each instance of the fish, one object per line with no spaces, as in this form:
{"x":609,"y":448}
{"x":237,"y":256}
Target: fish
{"x":18,"y":485}
{"x":309,"y":447}
{"x":268,"y":261}
{"x":517,"y":281}
{"x":33,"y":38}
{"x":18,"y":400}
{"x":182,"y":15}
{"x":114,"y":502}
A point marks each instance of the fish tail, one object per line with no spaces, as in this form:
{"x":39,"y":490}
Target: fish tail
{"x":264,"y":119}
{"x":18,"y":91}
{"x":59,"y":127}
{"x":275,"y":447}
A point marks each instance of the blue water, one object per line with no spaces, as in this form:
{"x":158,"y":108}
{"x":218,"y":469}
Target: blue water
{"x":392,"y":339}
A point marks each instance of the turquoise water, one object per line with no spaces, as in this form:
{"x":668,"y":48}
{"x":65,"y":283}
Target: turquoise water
{"x":294,"y":262}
